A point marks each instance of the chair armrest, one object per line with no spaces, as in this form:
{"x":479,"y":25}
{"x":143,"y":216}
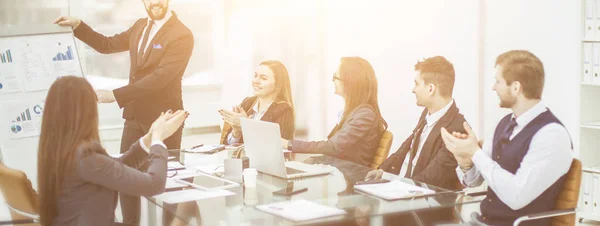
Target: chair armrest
{"x":16,"y":222}
{"x":547,"y":214}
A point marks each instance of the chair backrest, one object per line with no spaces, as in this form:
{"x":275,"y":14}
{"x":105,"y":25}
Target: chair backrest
{"x":18,"y":192}
{"x":569,"y":195}
{"x":385,"y":143}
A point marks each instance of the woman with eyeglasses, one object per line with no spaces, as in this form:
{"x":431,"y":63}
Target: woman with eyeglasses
{"x":78,"y":181}
{"x":272,"y":102}
{"x":356,"y":136}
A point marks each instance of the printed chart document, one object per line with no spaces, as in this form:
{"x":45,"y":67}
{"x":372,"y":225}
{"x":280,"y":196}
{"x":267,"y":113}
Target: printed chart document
{"x":300,"y":210}
{"x":190,"y":195}
{"x":394,"y":190}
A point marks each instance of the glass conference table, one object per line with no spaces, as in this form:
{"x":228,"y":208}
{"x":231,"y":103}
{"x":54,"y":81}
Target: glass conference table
{"x":335,"y":190}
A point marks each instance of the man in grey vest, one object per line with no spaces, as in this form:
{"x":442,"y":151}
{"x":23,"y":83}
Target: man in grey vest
{"x":526,"y":161}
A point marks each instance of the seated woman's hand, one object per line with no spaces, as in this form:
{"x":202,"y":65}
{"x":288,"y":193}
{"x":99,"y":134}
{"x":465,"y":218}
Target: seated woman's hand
{"x":165,"y":125}
{"x":233,"y":117}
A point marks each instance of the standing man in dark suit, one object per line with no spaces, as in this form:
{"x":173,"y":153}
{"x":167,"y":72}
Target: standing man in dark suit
{"x":160,"y":47}
{"x":423,"y":155}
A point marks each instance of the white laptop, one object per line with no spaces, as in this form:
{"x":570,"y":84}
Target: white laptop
{"x":262,"y":144}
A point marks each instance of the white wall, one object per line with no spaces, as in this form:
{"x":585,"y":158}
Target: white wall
{"x":393,"y":36}
{"x":552,"y":31}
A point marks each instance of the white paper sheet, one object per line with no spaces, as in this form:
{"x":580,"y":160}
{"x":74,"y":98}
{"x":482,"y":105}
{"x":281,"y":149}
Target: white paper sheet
{"x":190,"y":195}
{"x":300,"y":210}
{"x":393,"y":190}
{"x":171,"y":184}
{"x":175,"y":165}
{"x":205,"y":148}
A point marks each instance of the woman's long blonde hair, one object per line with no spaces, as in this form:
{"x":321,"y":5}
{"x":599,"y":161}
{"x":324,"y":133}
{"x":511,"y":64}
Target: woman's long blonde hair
{"x":360,"y":87}
{"x":70,"y":118}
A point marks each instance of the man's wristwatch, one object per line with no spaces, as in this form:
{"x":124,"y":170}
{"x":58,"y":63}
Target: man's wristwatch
{"x":289,"y":145}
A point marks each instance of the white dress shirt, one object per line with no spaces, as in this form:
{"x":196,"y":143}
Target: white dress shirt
{"x":549,"y":157}
{"x":256,"y":115}
{"x":431,"y":121}
{"x":157,"y":25}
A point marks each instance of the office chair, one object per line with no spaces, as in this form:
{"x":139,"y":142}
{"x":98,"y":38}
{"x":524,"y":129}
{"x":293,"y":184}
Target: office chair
{"x":21,"y":199}
{"x":385,"y":143}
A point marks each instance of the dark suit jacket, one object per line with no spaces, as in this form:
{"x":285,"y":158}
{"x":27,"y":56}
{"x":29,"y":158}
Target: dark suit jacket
{"x":155,"y":83}
{"x":356,"y":140}
{"x":436,"y":165}
{"x":279,"y":112}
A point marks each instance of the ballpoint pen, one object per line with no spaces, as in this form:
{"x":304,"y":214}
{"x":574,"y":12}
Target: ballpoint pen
{"x":197,"y":146}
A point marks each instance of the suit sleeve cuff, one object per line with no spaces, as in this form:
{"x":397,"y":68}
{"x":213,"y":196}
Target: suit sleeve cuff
{"x":119,"y":94}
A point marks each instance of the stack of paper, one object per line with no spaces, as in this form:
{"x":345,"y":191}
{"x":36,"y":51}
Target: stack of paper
{"x":190,"y":195}
{"x":300,"y":210}
{"x":394,"y":190}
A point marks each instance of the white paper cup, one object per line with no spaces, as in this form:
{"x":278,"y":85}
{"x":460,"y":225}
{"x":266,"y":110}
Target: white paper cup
{"x":250,"y":175}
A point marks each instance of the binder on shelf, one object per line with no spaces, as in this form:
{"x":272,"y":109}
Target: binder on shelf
{"x":586,"y":193}
{"x":597,"y":19}
{"x":596,"y":197}
{"x":587,"y":63}
{"x":596,"y":63}
{"x":589,"y":19}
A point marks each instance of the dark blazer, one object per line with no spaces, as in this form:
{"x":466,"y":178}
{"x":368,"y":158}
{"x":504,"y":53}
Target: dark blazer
{"x":436,"y":165}
{"x":155,"y":83}
{"x":356,"y":140}
{"x":89,"y":192}
{"x":279,"y":112}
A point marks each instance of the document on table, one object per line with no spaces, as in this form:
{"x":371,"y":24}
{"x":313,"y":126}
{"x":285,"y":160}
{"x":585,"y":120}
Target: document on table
{"x":190,"y":195}
{"x":210,"y":168}
{"x":171,"y":184}
{"x":394,"y":190}
{"x":175,"y":165}
{"x":206,"y":149}
{"x":300,"y":210}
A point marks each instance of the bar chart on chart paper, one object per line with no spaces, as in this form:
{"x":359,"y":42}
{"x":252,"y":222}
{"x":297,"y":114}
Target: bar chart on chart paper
{"x":26,"y":118}
{"x":9,"y":81}
{"x":64,"y":58}
{"x":68,"y":55}
{"x":6,"y":57}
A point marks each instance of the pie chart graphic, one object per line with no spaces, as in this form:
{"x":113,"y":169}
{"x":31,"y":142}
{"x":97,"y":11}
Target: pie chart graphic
{"x":37,"y":109}
{"x":16,"y":128}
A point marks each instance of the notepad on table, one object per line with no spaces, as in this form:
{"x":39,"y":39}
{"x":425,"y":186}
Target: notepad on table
{"x":190,"y":195}
{"x":300,"y":210}
{"x":206,"y":149}
{"x":394,"y":190}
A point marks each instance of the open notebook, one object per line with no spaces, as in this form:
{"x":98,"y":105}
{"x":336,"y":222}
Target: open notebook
{"x":300,"y":210}
{"x":394,"y":190}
